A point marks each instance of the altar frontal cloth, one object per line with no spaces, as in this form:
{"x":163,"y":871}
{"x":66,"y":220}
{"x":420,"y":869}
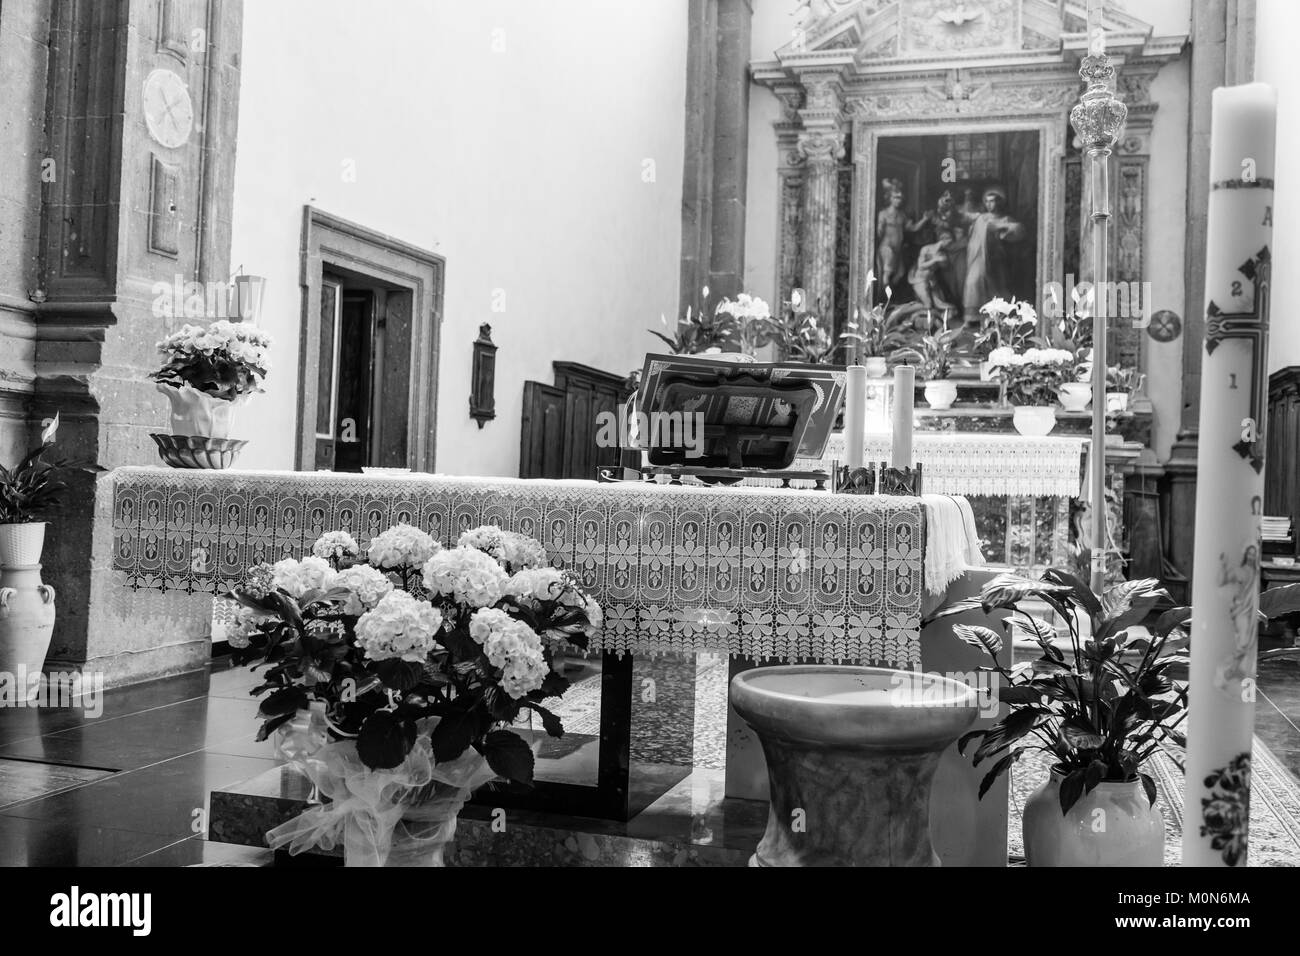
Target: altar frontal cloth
{"x":765,"y":573}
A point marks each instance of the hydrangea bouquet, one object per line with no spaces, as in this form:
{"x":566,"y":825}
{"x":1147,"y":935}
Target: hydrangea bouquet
{"x":423,"y":658}
{"x":1033,"y":377}
{"x":226,"y":360}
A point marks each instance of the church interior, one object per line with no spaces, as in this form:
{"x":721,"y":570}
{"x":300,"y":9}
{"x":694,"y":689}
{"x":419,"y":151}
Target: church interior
{"x":685,"y":433}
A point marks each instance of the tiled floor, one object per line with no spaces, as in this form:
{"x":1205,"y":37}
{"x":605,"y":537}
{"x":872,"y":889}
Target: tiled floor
{"x":131,"y":786}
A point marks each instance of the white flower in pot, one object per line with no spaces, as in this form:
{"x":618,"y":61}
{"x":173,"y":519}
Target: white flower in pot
{"x":1033,"y":379}
{"x":207,"y":373}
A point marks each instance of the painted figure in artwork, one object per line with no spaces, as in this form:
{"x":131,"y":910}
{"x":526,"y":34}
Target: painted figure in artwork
{"x":988,"y":273}
{"x":1243,"y":579}
{"x":893,"y":225}
{"x":927,"y":275}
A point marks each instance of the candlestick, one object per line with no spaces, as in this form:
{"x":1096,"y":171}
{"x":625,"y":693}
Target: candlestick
{"x":1230,"y":476}
{"x":904,"y":396}
{"x":855,"y":415}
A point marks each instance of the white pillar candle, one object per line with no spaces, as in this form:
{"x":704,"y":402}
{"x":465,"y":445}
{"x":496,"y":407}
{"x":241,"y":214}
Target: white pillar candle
{"x":1230,"y":476}
{"x":855,"y":415}
{"x":904,"y":395}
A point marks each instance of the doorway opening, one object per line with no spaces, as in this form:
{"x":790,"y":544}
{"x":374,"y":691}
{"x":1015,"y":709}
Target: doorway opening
{"x":365,"y":371}
{"x":372,"y":309}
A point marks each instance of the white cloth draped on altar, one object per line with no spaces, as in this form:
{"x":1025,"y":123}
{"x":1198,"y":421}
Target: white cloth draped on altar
{"x":982,"y":464}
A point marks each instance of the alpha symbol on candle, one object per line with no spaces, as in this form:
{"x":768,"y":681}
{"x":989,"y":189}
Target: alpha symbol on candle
{"x":1252,"y":326}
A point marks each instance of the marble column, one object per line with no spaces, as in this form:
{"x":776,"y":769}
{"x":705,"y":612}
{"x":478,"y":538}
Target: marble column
{"x":822,"y":149}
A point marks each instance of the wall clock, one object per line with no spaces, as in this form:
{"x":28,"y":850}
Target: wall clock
{"x":168,"y":110}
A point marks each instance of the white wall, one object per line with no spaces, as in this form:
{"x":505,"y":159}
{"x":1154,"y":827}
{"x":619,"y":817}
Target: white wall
{"x":512,"y":137}
{"x":1275,"y":62}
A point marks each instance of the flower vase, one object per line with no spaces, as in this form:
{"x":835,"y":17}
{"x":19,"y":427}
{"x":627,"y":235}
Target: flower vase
{"x":201,"y":425}
{"x":1114,"y":825}
{"x":198,"y":413}
{"x":1034,"y":421}
{"x":26,"y":624}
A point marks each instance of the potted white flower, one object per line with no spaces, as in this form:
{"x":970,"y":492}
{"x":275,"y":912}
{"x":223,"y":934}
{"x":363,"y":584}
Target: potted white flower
{"x":206,"y":374}
{"x":1033,"y":380}
{"x":1004,"y":325}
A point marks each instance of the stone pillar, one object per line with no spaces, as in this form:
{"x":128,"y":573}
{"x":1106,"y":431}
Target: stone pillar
{"x":821,"y":144}
{"x":1222,"y":43}
{"x":730,"y":149}
{"x":142,"y":102}
{"x":715,"y":170}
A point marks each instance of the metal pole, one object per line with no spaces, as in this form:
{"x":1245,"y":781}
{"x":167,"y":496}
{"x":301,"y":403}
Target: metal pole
{"x":1098,"y":118}
{"x":1100,"y":161}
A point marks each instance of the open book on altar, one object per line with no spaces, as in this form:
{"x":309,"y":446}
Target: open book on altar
{"x":712,"y":411}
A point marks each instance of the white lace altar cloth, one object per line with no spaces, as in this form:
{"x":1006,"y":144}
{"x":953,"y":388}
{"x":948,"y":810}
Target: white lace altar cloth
{"x":983,"y":464}
{"x":787,"y":574}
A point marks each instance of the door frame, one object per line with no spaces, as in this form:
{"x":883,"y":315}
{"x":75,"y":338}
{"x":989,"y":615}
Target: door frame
{"x":328,"y":241}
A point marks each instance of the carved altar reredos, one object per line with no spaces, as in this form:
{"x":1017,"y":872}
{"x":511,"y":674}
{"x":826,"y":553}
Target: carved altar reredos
{"x":910,"y":67}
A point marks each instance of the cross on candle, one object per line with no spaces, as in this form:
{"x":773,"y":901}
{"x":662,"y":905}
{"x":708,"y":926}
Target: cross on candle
{"x":1253,"y":326}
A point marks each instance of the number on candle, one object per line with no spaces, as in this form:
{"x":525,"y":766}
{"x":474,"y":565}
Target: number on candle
{"x":1236,"y":288}
{"x":1233,"y":380}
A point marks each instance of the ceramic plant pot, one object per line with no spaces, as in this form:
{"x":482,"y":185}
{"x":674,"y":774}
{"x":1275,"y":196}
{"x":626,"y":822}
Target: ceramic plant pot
{"x":1075,"y":396}
{"x":198,"y":413}
{"x":1114,"y":825}
{"x":21,"y":544}
{"x":26,"y":624}
{"x":1034,"y":421}
{"x":940,"y":394}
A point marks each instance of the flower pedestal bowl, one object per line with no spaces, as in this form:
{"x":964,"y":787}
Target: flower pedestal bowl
{"x":851,"y":755}
{"x":196,"y":451}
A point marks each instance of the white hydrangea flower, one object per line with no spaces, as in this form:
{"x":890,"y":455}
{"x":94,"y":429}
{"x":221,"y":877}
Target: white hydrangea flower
{"x":512,"y":549}
{"x":513,"y":647}
{"x":399,"y":626}
{"x":247,"y":623}
{"x":402,"y":546}
{"x":366,"y":587}
{"x":335,"y":544}
{"x":1003,"y":356}
{"x":538,"y":584}
{"x":295,"y":578}
{"x":467,"y":575}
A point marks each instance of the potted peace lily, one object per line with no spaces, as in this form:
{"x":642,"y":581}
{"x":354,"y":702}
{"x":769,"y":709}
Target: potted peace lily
{"x":422,"y":663}
{"x":1033,"y":379}
{"x":934,"y":356}
{"x":206,"y":374}
{"x":1099,"y":713}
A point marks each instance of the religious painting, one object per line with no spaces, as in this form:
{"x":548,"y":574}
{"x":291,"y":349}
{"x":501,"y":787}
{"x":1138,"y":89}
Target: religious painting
{"x":956,"y":220}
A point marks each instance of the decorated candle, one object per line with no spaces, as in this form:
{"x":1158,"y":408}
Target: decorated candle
{"x":1230,"y":476}
{"x":855,"y":415}
{"x":904,"y":396}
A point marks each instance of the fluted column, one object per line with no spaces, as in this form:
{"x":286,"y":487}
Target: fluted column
{"x":821,"y":144}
